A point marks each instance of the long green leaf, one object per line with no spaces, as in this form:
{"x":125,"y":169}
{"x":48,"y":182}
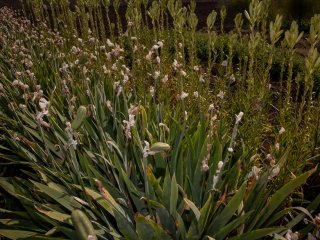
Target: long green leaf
{"x":173,"y":195}
{"x":277,"y":198}
{"x":60,"y":197}
{"x":224,"y":231}
{"x":16,"y":234}
{"x":223,"y":218}
{"x":148,"y":229}
{"x":7,"y":186}
{"x":258,"y":234}
{"x":61,"y":217}
{"x":193,"y":207}
{"x":125,"y":227}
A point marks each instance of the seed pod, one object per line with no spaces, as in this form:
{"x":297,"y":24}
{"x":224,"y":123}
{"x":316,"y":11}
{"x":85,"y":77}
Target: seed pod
{"x":83,"y":225}
{"x":144,"y":116}
{"x":144,"y":120}
{"x":80,"y":117}
{"x":160,"y":147}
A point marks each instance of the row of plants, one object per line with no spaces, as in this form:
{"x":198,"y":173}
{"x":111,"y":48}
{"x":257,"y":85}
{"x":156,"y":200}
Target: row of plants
{"x":140,"y":131}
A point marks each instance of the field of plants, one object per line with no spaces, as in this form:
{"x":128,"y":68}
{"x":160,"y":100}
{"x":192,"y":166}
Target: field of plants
{"x":141,"y":126}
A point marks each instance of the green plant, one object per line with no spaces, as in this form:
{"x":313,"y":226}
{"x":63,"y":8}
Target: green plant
{"x":130,"y":137}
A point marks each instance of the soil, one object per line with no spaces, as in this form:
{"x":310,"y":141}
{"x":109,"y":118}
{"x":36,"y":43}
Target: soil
{"x":10,"y":3}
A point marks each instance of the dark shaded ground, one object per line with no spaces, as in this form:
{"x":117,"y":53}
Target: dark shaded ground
{"x":204,"y":7}
{"x":10,"y":3}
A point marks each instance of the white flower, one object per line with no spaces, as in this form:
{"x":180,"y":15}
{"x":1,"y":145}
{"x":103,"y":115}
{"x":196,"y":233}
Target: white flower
{"x":149,"y":56}
{"x":158,"y":59}
{"x":292,"y":235}
{"x":219,"y":168}
{"x":175,"y":64}
{"x":221,"y":94}
{"x":254,"y":157}
{"x":133,"y":110}
{"x":183,"y":95}
{"x":211,"y":107}
{"x":183,"y":73}
{"x":164,"y":126}
{"x":71,"y":143}
{"x":74,"y":49}
{"x":81,"y":202}
{"x":146,"y":150}
{"x":196,"y":68}
{"x":220,"y":165}
{"x":108,"y":55}
{"x":282,"y":130}
{"x":275,"y":171}
{"x":272,"y":160}
{"x":201,"y":79}
{"x":114,"y":67}
{"x":84,"y":70}
{"x":155,"y":47}
{"x":16,"y":83}
{"x":151,"y":90}
{"x":277,"y":146}
{"x":23,"y":107}
{"x":230,"y":149}
{"x":239,"y":117}
{"x":39,"y":118}
{"x":185,"y":115}
{"x":255,"y":172}
{"x":232,"y":78}
{"x":196,"y":94}
{"x":24,"y":87}
{"x":156,"y":74}
{"x":91,"y":237}
{"x":109,"y":43}
{"x":125,"y":78}
{"x":128,"y":125}
{"x":215,"y":181}
{"x":117,"y":87}
{"x":116,"y":50}
{"x":68,"y":129}
{"x":165,"y":79}
{"x":131,"y":121}
{"x":160,"y":44}
{"x":44,"y":104}
{"x":109,"y":105}
{"x":105,"y":70}
{"x":204,"y":166}
{"x":224,"y":63}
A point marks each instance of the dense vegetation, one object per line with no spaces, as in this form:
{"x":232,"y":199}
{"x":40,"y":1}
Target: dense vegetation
{"x":152,"y":130}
